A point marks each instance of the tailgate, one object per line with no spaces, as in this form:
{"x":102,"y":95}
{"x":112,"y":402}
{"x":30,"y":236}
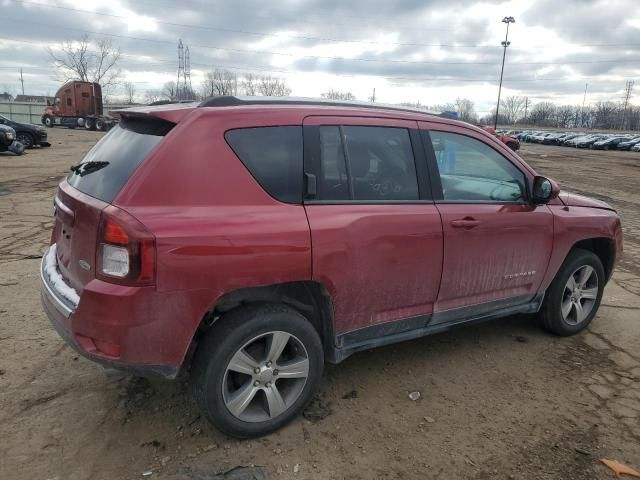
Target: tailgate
{"x":77,"y":218}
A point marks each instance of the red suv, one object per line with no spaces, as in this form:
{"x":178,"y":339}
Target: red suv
{"x":249,"y":240}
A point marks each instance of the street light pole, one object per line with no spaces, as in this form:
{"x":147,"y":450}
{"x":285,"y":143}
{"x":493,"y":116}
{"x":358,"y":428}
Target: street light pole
{"x":504,"y":44}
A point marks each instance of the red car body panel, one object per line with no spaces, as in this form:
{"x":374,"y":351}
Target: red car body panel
{"x":379,"y":262}
{"x":505,"y":256}
{"x":217,"y":231}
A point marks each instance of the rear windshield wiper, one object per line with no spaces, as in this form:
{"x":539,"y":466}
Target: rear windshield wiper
{"x":85,"y":168}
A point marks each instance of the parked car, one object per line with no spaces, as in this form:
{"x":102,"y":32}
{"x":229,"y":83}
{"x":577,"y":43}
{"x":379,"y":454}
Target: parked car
{"x":245,"y":241}
{"x":628,"y":143}
{"x":527,"y":137}
{"x":27,"y":134}
{"x":8,"y":142}
{"x":586,"y":141}
{"x":508,"y":140}
{"x":551,"y":138}
{"x":609,"y":143}
{"x":567,"y":138}
{"x":636,"y":148}
{"x":540,"y":137}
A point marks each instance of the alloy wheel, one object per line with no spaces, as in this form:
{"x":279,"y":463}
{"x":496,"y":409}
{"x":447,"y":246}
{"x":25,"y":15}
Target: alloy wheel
{"x":580,"y":295}
{"x":265,"y":377}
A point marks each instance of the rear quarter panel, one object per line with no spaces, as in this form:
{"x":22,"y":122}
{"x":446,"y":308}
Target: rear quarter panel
{"x":216,"y":229}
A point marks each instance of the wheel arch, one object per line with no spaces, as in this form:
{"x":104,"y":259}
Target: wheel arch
{"x":603,"y":247}
{"x":309,"y":298}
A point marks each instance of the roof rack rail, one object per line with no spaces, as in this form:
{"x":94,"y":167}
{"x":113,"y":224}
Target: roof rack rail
{"x":236,"y":101}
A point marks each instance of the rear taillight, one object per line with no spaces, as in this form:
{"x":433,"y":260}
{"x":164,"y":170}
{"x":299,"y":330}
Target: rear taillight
{"x":126,"y":250}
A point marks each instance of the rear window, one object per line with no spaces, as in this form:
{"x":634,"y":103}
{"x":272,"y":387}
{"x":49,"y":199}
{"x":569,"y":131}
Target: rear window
{"x":273,"y":155}
{"x":108,"y":165}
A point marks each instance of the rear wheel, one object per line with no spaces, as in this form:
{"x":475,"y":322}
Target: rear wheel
{"x":89,"y":124}
{"x":574,"y":296}
{"x":256,"y":369}
{"x":100,"y":125}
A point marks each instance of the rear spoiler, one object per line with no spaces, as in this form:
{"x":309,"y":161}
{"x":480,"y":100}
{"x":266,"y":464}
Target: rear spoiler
{"x":173,"y":112}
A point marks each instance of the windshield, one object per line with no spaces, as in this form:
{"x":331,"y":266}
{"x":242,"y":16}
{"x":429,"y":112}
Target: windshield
{"x":108,"y":165}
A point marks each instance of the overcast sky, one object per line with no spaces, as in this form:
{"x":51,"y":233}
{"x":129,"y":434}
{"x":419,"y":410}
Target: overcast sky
{"x":429,"y":51}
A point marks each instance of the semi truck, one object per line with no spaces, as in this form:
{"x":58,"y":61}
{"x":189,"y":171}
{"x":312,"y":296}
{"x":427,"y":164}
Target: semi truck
{"x":78,"y":104}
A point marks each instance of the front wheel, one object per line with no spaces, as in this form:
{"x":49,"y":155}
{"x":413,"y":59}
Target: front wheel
{"x":47,"y":121}
{"x":574,"y":296}
{"x":256,"y":369}
{"x":25,"y":139}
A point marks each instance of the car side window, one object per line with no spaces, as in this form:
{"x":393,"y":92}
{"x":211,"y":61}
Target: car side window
{"x":471,"y":171}
{"x":273,"y":155}
{"x":333,"y":183}
{"x":367,"y":164}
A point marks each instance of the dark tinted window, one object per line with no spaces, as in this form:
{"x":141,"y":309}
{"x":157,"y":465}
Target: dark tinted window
{"x":273,"y":155}
{"x":366,"y":164}
{"x":333,"y":183}
{"x":472,"y":171}
{"x":109,"y":164}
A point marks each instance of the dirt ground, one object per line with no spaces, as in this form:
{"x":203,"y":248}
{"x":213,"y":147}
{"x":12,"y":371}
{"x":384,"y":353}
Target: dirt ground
{"x":499,"y":400}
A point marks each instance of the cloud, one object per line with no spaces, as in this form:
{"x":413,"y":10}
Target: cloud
{"x":409,"y":50}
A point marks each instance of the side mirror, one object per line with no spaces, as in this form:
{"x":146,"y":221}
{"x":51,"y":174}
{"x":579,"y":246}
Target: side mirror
{"x":544,"y":190}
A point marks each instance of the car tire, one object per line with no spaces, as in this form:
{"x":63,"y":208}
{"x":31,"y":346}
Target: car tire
{"x":580,"y":281}
{"x":47,"y":121}
{"x":25,"y":139}
{"x":243,"y":382}
{"x":512,"y":146}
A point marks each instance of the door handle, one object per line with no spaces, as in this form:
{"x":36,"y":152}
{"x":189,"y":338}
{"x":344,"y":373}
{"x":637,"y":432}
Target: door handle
{"x":467,"y":223}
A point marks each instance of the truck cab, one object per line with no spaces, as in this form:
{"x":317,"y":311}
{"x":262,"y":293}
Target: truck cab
{"x":77,"y":104}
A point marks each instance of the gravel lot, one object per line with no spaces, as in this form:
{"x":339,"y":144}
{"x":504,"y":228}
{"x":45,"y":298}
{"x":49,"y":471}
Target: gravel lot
{"x":499,"y":400}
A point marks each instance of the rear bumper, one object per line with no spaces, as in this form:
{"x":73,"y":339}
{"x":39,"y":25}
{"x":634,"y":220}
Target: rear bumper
{"x":87,"y":333}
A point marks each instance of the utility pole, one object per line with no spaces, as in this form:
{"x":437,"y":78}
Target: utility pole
{"x":504,"y":44}
{"x":181,"y":85}
{"x":627,"y":95}
{"x":22,"y":81}
{"x":584,"y":98}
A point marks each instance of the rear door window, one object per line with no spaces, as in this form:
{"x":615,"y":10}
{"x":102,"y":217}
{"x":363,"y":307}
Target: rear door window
{"x":109,"y":164}
{"x":273,"y":155}
{"x":367,"y":163}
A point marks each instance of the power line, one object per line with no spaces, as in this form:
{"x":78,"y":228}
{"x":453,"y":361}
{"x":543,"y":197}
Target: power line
{"x":268,"y":69}
{"x":327,"y":57}
{"x":302,"y":37}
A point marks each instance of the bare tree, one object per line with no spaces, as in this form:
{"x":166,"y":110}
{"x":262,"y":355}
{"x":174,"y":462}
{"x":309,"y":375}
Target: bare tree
{"x":513,"y":108}
{"x":169,"y":91}
{"x":249,"y":84}
{"x":466,"y":110}
{"x":605,"y":115}
{"x":220,"y":82}
{"x":542,"y":114}
{"x":564,"y":116}
{"x":338,"y":95}
{"x":152,"y":95}
{"x":78,"y":61}
{"x":130,"y":92}
{"x":273,"y":87}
